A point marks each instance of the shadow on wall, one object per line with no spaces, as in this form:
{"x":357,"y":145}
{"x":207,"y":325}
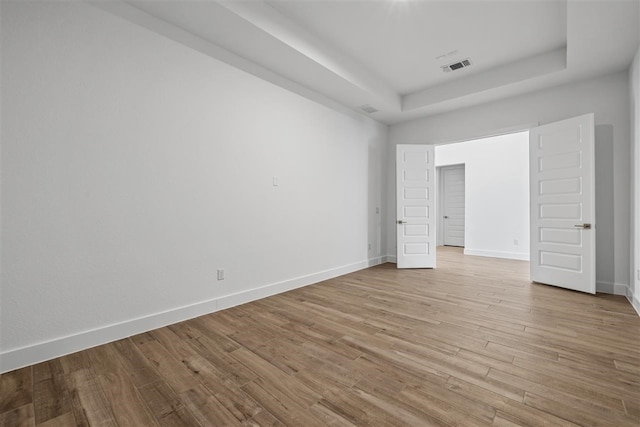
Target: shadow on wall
{"x":374,"y":203}
{"x":604,"y":171}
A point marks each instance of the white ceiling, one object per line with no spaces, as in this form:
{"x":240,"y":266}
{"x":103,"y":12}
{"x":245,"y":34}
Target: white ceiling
{"x":387,"y":53}
{"x":400,"y":40}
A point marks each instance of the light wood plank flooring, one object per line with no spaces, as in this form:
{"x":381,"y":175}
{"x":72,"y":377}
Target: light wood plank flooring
{"x":471,"y":343}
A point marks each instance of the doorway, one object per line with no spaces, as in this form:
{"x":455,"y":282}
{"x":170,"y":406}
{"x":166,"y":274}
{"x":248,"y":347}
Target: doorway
{"x":495,"y":209}
{"x":499,"y":176}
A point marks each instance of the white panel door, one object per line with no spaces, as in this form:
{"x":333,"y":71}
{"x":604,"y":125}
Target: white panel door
{"x":453,"y":205}
{"x":415,"y":171}
{"x":562,"y":204}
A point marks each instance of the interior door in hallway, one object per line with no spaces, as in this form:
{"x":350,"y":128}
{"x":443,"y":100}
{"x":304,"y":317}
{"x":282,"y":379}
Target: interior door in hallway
{"x":453,"y":205}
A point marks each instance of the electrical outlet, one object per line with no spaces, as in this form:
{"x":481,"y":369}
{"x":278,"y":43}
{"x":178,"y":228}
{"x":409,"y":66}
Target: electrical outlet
{"x":220,"y":274}
{"x":515,"y":242}
{"x":638,"y":274}
{"x":377,"y":210}
{"x":369,"y":246}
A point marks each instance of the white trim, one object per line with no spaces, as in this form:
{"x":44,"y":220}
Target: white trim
{"x":620,"y":289}
{"x":40,"y":352}
{"x":522,"y":256}
{"x":489,"y":134}
{"x":244,"y":297}
{"x":392,"y":259}
{"x":633,"y":299}
{"x":611,"y":288}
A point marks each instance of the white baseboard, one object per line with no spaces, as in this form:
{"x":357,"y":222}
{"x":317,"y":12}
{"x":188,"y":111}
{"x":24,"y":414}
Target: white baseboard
{"x":619,"y":289}
{"x":522,"y":256}
{"x":604,"y":287}
{"x":40,"y":352}
{"x":515,"y":255}
{"x":244,"y":297}
{"x":633,"y":299}
{"x":611,"y":288}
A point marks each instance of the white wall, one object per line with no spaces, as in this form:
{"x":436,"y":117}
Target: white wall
{"x":134,"y":167}
{"x":496,"y":193}
{"x":607,"y":97}
{"x":634,"y":97}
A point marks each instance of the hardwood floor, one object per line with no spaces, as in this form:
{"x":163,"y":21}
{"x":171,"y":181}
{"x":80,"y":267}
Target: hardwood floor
{"x":471,"y":343}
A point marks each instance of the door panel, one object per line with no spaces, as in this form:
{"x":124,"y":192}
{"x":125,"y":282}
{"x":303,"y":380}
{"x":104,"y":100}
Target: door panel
{"x":415,"y":170}
{"x":562,"y":204}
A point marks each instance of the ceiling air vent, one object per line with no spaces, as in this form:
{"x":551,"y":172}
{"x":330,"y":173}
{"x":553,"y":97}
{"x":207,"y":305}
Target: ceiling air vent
{"x":368,"y":108}
{"x":456,"y":65}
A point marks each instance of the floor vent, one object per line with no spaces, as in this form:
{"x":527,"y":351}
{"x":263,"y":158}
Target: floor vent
{"x":456,"y":65}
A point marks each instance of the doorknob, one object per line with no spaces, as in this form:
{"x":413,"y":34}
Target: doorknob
{"x":585,"y":226}
{"x":401,"y":221}
{"x":446,"y":217}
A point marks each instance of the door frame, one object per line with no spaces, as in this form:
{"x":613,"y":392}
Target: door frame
{"x":440,"y":200}
{"x":501,"y":131}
